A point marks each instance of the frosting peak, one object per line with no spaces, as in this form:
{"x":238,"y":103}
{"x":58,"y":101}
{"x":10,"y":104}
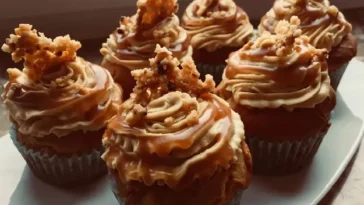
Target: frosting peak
{"x":173,"y":130}
{"x":57,"y":92}
{"x":216,"y":23}
{"x":134,"y":42}
{"x":288,"y":39}
{"x":323,"y":23}
{"x":281,"y":70}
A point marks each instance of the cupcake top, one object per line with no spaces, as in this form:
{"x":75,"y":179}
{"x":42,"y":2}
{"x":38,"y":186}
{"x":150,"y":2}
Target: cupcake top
{"x":134,"y":42}
{"x":173,"y":130}
{"x":323,"y":23}
{"x":216,"y":23}
{"x":57,"y":92}
{"x":281,"y":70}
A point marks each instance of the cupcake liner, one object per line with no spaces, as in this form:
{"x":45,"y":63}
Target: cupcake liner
{"x":337,"y":75}
{"x":60,"y":170}
{"x":115,"y":189}
{"x":237,"y":198}
{"x":235,"y":201}
{"x":216,"y":70}
{"x":283,"y":157}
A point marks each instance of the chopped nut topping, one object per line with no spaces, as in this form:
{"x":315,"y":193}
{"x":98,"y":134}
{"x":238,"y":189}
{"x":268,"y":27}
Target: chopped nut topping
{"x":39,"y":52}
{"x":151,"y":12}
{"x":288,"y":38}
{"x":169,"y":121}
{"x":137,"y":113}
{"x":152,"y":84}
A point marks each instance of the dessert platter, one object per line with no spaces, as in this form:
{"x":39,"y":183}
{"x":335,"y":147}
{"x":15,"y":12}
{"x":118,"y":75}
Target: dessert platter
{"x":198,"y":110}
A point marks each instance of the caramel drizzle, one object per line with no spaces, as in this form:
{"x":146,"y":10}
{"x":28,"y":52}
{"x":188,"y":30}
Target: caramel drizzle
{"x":300,"y":72}
{"x":30,"y":97}
{"x":124,"y":52}
{"x":154,"y":156}
{"x":311,"y":17}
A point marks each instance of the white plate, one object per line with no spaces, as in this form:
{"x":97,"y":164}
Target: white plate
{"x":19,"y":187}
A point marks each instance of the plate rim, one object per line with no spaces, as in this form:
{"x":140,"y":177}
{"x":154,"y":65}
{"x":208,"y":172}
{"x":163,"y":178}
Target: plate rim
{"x":344,"y":164}
{"x":353,"y":150}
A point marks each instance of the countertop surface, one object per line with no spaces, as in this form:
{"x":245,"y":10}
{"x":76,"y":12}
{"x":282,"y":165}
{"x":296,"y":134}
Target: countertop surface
{"x":349,"y":189}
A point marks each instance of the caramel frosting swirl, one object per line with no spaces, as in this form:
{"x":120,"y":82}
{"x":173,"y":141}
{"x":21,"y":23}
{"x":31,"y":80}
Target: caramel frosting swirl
{"x":170,"y":134}
{"x":216,"y":23}
{"x":57,"y":92}
{"x":134,"y":42}
{"x":323,"y":23}
{"x":281,"y":70}
{"x":171,"y":113}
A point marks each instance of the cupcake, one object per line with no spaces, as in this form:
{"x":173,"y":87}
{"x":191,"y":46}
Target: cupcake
{"x":174,"y":142}
{"x":280,"y":86}
{"x":132,"y":44}
{"x":324,"y":24}
{"x":217,"y":28}
{"x":59,"y":105}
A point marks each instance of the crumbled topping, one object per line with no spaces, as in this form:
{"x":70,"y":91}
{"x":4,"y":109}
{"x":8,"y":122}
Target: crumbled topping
{"x":333,"y":10}
{"x":192,"y":118}
{"x":288,"y":38}
{"x":164,"y":76}
{"x":169,"y":121}
{"x":127,"y":25}
{"x":136,"y":114}
{"x":151,"y":12}
{"x":146,"y":23}
{"x":39,"y":52}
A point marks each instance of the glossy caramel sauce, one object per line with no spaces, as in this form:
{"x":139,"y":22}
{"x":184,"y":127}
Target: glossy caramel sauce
{"x":155,"y":151}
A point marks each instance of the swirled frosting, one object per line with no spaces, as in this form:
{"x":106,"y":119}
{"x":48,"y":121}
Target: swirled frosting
{"x":216,"y":23}
{"x":172,"y":131}
{"x":57,"y":92}
{"x":134,"y":42}
{"x":323,"y":23}
{"x":281,"y":70}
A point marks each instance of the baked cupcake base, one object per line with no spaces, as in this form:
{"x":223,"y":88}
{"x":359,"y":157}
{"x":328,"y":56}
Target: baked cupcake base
{"x":281,"y":141}
{"x":224,"y":187}
{"x":60,"y":170}
{"x":234,"y":201}
{"x":283,"y":157}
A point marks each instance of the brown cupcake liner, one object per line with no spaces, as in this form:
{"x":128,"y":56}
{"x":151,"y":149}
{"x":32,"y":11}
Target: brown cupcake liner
{"x":60,"y":170}
{"x":235,"y":201}
{"x":216,"y":70}
{"x":337,"y":75}
{"x":284,"y":157}
{"x":237,"y":198}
